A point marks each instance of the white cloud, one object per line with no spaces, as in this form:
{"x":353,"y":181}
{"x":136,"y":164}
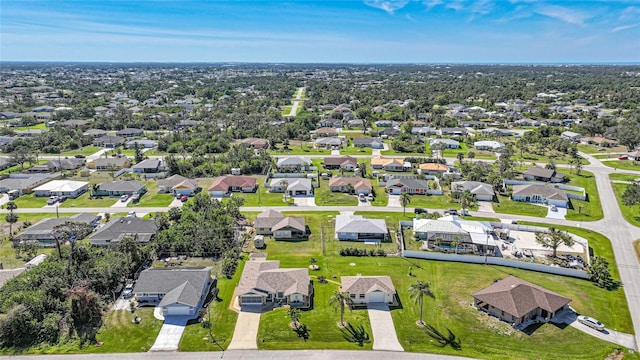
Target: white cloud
{"x":571,"y":16}
{"x":630,"y":13}
{"x":390,"y":6}
{"x":624,"y":27}
{"x":482,"y":7}
{"x":455,"y":5}
{"x":431,"y":3}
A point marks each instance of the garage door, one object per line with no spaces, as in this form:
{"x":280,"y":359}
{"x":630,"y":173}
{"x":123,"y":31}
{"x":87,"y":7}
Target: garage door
{"x":376,"y":296}
{"x":247,"y":300}
{"x":178,"y":310}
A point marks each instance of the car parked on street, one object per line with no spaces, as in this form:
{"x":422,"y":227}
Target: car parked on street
{"x":591,"y":322}
{"x":420,"y":211}
{"x":623,"y":157}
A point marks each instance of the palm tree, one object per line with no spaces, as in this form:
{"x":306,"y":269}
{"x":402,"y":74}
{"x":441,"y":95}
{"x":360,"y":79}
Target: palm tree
{"x":471,"y":155}
{"x":294,"y":315}
{"x":350,"y":189}
{"x":94,"y":189}
{"x":341,"y":299}
{"x":11,"y":218}
{"x":405,"y":199}
{"x":284,"y":184}
{"x":419,"y":290}
{"x":460,"y":157}
{"x":467,"y":199}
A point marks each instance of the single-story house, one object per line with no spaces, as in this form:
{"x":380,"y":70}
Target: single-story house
{"x":75,"y":123}
{"x":272,"y":222}
{"x":58,"y":165}
{"x":95,"y":133}
{"x":265,"y":221}
{"x":360,"y":185}
{"x":333,"y":123}
{"x":108,"y":141}
{"x":23,"y":185}
{"x":325,"y":132}
{"x":178,"y":184}
{"x":541,"y":174}
{"x":374,"y":143}
{"x":357,"y":228}
{"x":369,"y":289}
{"x":540,"y":194}
{"x":257,"y":143}
{"x":293,"y":186}
{"x":570,"y":135}
{"x":444,"y":143}
{"x":109,"y":164}
{"x":6,"y":162}
{"x":225,"y":185}
{"x":515,"y":301}
{"x":496,"y":132}
{"x":482,"y":191}
{"x":332,"y":143}
{"x":130,"y":132}
{"x":455,"y":131}
{"x":346,"y":163}
{"x":293,"y":163}
{"x":432,"y":169}
{"x":68,"y":188}
{"x":143,"y":231}
{"x":422,"y":130}
{"x":42,"y":231}
{"x":407,"y":184}
{"x":634,"y":155}
{"x":488,"y":145}
{"x":119,"y":188}
{"x":183,"y":124}
{"x":397,"y":165}
{"x":175,"y":291}
{"x":598,"y":140}
{"x":264,"y":283}
{"x":144,"y":143}
{"x":355,"y":123}
{"x":148,"y":166}
{"x":452,"y":234}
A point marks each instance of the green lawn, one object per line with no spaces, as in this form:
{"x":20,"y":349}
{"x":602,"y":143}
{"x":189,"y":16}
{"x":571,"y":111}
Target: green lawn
{"x":623,"y":164}
{"x":196,"y":338}
{"x":585,"y":210}
{"x":350,"y":150}
{"x":507,"y":206}
{"x":83,"y":201}
{"x":479,"y":154}
{"x":87,"y":150}
{"x":636,"y":247}
{"x":325,"y":197}
{"x":594,"y":149}
{"x":39,"y":126}
{"x":624,"y":177}
{"x":150,"y":200}
{"x":299,"y":148}
{"x":392,"y":151}
{"x":286,"y":110}
{"x":31,"y":201}
{"x":155,"y":152}
{"x":630,"y":213}
{"x":122,"y":151}
{"x":433,"y":202}
{"x":264,"y":198}
{"x":381,"y":198}
{"x":321,"y":320}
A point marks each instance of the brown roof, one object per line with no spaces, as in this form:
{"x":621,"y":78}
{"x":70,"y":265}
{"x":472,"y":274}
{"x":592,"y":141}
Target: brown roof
{"x":340,"y":160}
{"x":267,"y":219}
{"x":434,"y":167}
{"x":518,"y":297}
{"x":326,"y":130}
{"x":380,"y":160}
{"x":256,"y":142}
{"x":293,"y":222}
{"x":267,"y":277}
{"x":357,"y":182}
{"x":367,"y":284}
{"x":225,"y":182}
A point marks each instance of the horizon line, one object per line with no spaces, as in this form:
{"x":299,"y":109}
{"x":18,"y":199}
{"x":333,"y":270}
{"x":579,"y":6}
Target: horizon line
{"x":319,"y":63}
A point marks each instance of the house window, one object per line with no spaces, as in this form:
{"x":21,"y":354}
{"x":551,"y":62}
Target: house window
{"x":353,"y":296}
{"x":280,"y":294}
{"x":361,"y":296}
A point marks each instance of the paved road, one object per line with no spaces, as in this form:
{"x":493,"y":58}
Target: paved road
{"x":252,"y":355}
{"x":384,"y":333}
{"x":296,"y":104}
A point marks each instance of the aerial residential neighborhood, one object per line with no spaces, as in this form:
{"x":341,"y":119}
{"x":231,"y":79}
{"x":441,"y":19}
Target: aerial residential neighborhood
{"x":319,"y":207}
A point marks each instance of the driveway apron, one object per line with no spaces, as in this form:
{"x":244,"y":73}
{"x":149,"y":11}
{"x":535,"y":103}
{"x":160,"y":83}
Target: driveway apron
{"x":384,"y":333}
{"x":246,"y":331}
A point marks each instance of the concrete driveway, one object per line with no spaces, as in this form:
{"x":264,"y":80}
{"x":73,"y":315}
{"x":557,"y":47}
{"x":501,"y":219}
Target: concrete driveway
{"x":560,"y":213}
{"x":170,"y":334}
{"x":571,"y":318}
{"x":305,"y":201}
{"x":394,"y":201}
{"x":485,"y":206}
{"x":384,"y":333}
{"x":246,"y":331}
{"x":121,"y":204}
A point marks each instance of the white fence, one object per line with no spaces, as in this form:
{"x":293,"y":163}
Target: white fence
{"x":490,"y":260}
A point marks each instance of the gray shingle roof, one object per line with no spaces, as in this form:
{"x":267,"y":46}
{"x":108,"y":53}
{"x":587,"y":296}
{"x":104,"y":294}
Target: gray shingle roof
{"x":367,"y":284}
{"x":267,"y":277}
{"x":358,"y":224}
{"x":176,"y":180}
{"x":475,"y":187}
{"x":147,"y":164}
{"x":267,"y":219}
{"x":548,"y":192}
{"x":116,"y":229}
{"x":178,"y":285}
{"x":43,"y":229}
{"x":127,"y":186}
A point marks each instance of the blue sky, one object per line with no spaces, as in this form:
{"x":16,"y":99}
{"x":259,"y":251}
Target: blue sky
{"x":367,"y":31}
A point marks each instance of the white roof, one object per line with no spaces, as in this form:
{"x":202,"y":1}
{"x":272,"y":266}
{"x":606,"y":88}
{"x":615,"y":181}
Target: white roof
{"x":61,"y":185}
{"x":489,"y":143}
{"x":358,"y":224}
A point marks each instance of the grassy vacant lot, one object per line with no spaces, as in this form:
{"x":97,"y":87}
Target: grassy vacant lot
{"x":590,"y":209}
{"x":299,"y":148}
{"x":223,"y":320}
{"x":31,"y":201}
{"x":623,"y":164}
{"x":382,"y":198}
{"x":153,"y":200}
{"x":325,"y":197}
{"x":83,"y":201}
{"x":433,"y":202}
{"x":392,"y":151}
{"x":86,"y":151}
{"x":594,"y":149}
{"x":479,"y":154}
{"x":265,"y":198}
{"x":630,"y":213}
{"x":624,"y":177}
{"x":321,"y":320}
{"x":507,"y":206}
{"x":350,"y":150}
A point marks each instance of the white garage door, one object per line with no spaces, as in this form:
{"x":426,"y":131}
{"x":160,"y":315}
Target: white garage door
{"x":376,"y":297}
{"x":178,"y":310}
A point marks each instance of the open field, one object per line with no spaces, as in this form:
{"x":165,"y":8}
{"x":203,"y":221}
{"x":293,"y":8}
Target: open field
{"x":630,"y":213}
{"x":479,"y":154}
{"x":325,"y":197}
{"x":433,"y":202}
{"x":350,"y":150}
{"x":624,"y":177}
{"x":83,"y":201}
{"x":594,"y":149}
{"x":262,"y":197}
{"x":623,"y":164}
{"x":590,"y":209}
{"x":507,"y":206}
{"x":86,"y":151}
{"x":298,"y":148}
{"x":31,"y":201}
{"x":381,"y":198}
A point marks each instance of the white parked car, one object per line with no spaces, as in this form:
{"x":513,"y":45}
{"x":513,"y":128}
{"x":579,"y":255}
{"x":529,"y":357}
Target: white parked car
{"x":554,"y":208}
{"x":591,"y":322}
{"x":124,"y":198}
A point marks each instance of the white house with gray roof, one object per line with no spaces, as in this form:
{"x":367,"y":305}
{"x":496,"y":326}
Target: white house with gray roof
{"x":119,"y":188}
{"x":365,"y":290}
{"x":293,"y":163}
{"x":293,"y":186}
{"x":482,"y":191}
{"x":176,"y":291}
{"x":452,"y":234}
{"x":142,"y":231}
{"x":357,"y":228}
{"x":540,"y":194}
{"x":444,"y":143}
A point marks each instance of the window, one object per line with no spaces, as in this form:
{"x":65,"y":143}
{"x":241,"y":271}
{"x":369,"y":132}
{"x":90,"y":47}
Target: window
{"x":280,"y":294}
{"x":361,"y":296}
{"x":353,"y":296}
